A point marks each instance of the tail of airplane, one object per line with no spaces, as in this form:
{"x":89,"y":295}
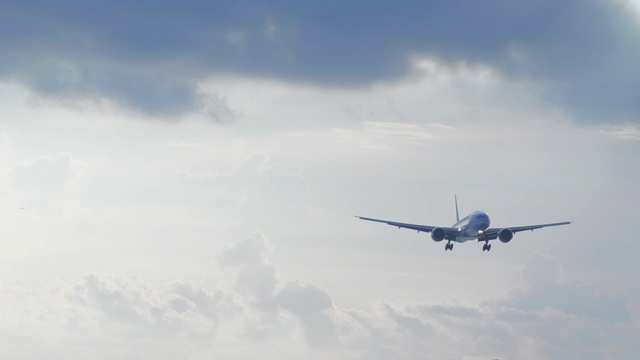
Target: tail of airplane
{"x":457,"y":215}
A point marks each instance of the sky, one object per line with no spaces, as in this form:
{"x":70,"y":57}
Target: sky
{"x":179,"y":179}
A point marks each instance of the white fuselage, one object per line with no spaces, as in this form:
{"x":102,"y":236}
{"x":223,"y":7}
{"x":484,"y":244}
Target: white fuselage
{"x":472,"y":226}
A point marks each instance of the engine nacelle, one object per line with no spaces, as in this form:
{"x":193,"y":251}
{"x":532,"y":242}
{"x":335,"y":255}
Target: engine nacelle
{"x":505,"y":235}
{"x":437,"y":234}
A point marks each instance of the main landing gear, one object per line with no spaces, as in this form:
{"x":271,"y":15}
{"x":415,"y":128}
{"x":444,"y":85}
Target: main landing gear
{"x":486,"y":247}
{"x":449,"y":247}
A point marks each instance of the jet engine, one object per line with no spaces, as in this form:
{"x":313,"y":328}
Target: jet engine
{"x":437,"y":234}
{"x":505,"y":235}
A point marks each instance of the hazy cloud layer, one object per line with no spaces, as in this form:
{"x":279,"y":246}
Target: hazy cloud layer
{"x":151,"y":56}
{"x":108,"y":221}
{"x":126,"y":318}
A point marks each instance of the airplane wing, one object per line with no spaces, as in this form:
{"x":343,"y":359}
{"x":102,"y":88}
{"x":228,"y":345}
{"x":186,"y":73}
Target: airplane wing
{"x":419,"y":228}
{"x":492,"y":233}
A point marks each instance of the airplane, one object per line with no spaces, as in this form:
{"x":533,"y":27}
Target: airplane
{"x":473,"y":227}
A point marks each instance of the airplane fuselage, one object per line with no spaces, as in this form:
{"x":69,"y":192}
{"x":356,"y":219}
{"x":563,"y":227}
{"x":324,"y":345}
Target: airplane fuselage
{"x":472,"y":226}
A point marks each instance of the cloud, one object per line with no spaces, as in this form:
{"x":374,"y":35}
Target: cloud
{"x":313,"y":306}
{"x":103,"y":318}
{"x":252,"y":250}
{"x":255,"y":276}
{"x":626,"y":132}
{"x":255,"y":187}
{"x":152,"y":57}
{"x":50,"y":185}
{"x":149,"y":90}
{"x":542,"y":321}
{"x":45,"y":183}
{"x":379,"y":134}
{"x":545,"y":288}
{"x":108,"y":317}
{"x":44,"y":173}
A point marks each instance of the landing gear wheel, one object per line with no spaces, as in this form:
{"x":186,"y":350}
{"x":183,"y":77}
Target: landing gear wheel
{"x":448,"y":247}
{"x":486,"y":247}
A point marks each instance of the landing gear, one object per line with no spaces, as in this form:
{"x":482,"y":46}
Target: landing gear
{"x":449,"y":247}
{"x":486,"y":247}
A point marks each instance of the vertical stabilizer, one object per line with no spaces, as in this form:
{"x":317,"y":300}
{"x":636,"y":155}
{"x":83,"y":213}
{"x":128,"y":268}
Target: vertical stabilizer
{"x":457,"y":214}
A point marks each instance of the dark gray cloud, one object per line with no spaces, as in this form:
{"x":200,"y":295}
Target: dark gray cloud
{"x":149,"y":55}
